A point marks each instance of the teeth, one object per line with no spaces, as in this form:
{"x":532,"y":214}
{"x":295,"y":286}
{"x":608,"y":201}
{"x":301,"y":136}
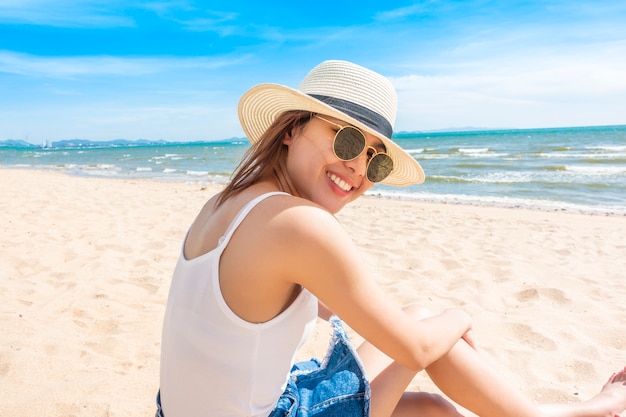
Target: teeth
{"x":339,"y":182}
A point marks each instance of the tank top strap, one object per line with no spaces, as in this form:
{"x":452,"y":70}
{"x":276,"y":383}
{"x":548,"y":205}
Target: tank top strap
{"x":223,"y":241}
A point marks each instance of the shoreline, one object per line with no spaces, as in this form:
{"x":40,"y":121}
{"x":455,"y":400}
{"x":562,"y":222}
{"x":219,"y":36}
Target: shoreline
{"x":86,"y":265}
{"x":453,"y":201}
{"x":380,"y":194}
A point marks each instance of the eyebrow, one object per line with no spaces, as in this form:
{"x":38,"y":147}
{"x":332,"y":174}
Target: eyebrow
{"x":380,"y":146}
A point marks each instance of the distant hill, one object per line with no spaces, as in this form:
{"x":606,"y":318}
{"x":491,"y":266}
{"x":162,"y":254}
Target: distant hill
{"x":85,"y":143}
{"x":14,"y":143}
{"x":79,"y":143}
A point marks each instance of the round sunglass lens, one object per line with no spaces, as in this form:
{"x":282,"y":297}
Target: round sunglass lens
{"x":349,"y":143}
{"x":379,"y":167}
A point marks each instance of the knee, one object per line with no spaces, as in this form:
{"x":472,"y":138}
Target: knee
{"x":418,"y":311}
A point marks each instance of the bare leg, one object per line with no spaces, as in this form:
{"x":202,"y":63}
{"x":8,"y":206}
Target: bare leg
{"x":388,"y":382}
{"x":465,"y":377}
{"x":470,"y":381}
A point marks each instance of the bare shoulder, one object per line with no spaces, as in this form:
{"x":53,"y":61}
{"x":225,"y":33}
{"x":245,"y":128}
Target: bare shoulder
{"x":306,"y":242}
{"x":297,"y":223}
{"x":274,"y":251}
{"x":290,"y":238}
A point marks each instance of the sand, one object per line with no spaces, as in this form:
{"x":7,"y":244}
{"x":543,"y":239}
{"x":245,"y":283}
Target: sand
{"x":86,"y":264}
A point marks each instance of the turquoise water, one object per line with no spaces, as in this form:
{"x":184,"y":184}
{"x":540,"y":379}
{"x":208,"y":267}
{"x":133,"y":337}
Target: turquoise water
{"x":580,"y":169}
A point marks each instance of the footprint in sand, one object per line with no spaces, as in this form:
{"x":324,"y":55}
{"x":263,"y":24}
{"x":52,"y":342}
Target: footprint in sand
{"x":553,"y":294}
{"x":451,"y":264}
{"x":530,"y":337}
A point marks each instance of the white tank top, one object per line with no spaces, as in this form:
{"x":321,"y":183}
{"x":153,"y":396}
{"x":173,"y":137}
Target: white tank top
{"x":214,"y":363}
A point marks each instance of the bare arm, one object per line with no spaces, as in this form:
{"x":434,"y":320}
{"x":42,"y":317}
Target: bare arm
{"x":324,"y":259}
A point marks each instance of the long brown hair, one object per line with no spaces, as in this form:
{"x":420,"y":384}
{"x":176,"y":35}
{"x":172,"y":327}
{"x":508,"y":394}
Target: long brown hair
{"x":267,"y":157}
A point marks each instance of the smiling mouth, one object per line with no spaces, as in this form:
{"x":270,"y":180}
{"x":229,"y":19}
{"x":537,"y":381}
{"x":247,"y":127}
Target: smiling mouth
{"x":339,"y":182}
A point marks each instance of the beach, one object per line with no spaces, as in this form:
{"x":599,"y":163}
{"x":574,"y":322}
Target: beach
{"x":86,"y":265}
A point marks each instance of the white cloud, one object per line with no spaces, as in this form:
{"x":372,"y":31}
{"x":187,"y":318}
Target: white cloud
{"x":114,"y":14}
{"x":582,"y":87}
{"x":68,"y":67}
{"x":400,"y":12}
{"x":65,"y":13}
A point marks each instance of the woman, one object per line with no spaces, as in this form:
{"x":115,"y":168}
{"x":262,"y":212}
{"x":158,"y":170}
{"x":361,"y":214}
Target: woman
{"x":265,"y":257}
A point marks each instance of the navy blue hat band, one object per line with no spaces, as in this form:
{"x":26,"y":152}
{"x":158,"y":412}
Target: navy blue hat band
{"x":364,"y":115}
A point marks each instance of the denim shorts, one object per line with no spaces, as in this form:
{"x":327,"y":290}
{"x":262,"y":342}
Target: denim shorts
{"x":336,"y":387}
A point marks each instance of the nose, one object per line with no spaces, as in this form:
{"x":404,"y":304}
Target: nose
{"x":358,"y":165}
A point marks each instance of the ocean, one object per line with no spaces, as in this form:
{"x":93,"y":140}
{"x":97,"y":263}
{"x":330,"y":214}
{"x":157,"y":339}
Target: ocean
{"x":579,"y":169}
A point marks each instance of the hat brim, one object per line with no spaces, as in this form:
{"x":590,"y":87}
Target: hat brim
{"x":262,"y":104}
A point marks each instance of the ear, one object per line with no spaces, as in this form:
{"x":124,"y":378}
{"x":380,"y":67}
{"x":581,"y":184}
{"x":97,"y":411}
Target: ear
{"x":288,"y":138}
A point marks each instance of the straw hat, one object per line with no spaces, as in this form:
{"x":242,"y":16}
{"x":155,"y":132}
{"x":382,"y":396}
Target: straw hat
{"x":340,"y":89}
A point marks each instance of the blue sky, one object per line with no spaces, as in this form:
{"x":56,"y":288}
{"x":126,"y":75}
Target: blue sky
{"x":174,"y":70}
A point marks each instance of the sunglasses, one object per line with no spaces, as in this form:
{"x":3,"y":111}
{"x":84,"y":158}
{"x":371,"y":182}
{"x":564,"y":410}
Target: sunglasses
{"x":349,"y":143}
